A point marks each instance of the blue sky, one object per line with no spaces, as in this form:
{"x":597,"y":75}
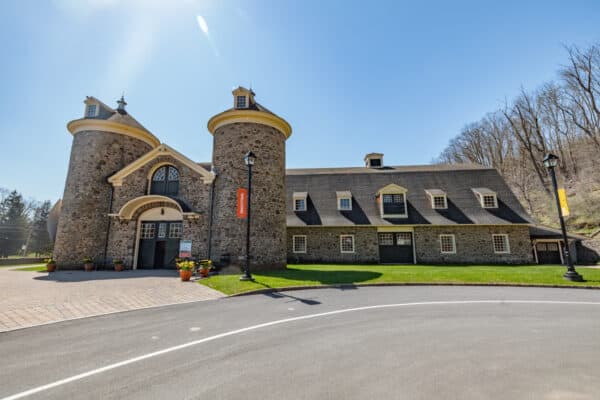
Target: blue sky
{"x":351,"y":77}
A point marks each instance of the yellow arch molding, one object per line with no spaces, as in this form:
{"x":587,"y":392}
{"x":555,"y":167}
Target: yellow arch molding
{"x":257,"y":117}
{"x":129,"y":209}
{"x":85,"y":124}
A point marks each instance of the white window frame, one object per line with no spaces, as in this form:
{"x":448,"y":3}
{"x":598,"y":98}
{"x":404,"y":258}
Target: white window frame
{"x":507,"y":242}
{"x":445,"y":201}
{"x":96,"y":110}
{"x":299,"y":196}
{"x":392,"y":189}
{"x":294,"y":237}
{"x":344,"y":196}
{"x":453,"y":239}
{"x":342,"y":247}
{"x":481,"y":193}
{"x":239,"y":97}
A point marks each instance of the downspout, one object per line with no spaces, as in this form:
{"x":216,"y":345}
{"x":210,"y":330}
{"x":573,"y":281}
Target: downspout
{"x":110,"y":203}
{"x":210,"y":216}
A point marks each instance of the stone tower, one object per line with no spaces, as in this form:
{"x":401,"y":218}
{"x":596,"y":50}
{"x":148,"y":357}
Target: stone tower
{"x":248,"y":126}
{"x":104,"y":141}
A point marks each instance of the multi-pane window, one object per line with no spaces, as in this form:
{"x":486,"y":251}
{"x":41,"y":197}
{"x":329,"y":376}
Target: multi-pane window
{"x":345,"y":203}
{"x":439,"y":201}
{"x":91,"y":110}
{"x":240,"y":102}
{"x":165,"y":181}
{"x":162,"y":230}
{"x":299,"y":204}
{"x":386,"y":239}
{"x":175,"y":230}
{"x":501,"y":244}
{"x":147,"y":230}
{"x":447,"y":244}
{"x":489,"y":201}
{"x":347,"y":243}
{"x":394,"y":204}
{"x":299,"y":243}
{"x":403,"y":239}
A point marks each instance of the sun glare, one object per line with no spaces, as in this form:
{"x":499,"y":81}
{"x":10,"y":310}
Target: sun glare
{"x":202,"y":24}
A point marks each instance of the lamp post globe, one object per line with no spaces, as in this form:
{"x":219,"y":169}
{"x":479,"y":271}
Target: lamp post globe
{"x":550,"y":162}
{"x":249,"y":159}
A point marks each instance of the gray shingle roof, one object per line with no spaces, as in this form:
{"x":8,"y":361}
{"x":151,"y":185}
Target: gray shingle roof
{"x":456,"y":180}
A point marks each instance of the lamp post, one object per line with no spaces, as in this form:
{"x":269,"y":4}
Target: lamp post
{"x":249,"y":159}
{"x":550,"y":162}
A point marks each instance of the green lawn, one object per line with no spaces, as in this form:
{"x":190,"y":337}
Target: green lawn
{"x":315,"y":274}
{"x":40,"y":267}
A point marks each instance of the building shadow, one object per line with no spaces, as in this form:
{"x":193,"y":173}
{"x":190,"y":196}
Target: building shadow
{"x":356,"y":215}
{"x":80,"y":276}
{"x":414,"y":217}
{"x":329,"y":277}
{"x":453,"y":213}
{"x":506,"y":213}
{"x":310,"y":216}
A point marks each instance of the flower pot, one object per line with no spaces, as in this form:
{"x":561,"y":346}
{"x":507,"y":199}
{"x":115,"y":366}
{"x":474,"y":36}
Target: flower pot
{"x":185,"y":275}
{"x":51,"y":267}
{"x":204,"y":272}
{"x":88,"y":267}
{"x":119,"y":267}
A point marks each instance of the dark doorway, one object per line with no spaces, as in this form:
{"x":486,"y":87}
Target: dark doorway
{"x":548,"y":253}
{"x":159,"y":244}
{"x":395,"y":247}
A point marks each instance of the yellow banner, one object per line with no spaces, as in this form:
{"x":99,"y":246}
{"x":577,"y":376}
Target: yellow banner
{"x":562,"y":198}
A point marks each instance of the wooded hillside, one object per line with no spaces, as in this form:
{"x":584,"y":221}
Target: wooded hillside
{"x":561,"y":117}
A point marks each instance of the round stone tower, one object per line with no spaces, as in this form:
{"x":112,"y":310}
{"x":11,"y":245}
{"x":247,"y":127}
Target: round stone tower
{"x":104,"y":141}
{"x":248,"y":126}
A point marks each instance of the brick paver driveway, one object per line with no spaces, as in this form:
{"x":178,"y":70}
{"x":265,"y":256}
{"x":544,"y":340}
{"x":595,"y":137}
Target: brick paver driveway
{"x":34,"y":298}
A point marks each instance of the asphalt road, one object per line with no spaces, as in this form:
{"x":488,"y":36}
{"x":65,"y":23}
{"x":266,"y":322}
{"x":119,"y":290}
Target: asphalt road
{"x":365,"y":343}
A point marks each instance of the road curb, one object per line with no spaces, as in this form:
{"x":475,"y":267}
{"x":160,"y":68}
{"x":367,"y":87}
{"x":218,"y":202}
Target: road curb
{"x":354,"y":286}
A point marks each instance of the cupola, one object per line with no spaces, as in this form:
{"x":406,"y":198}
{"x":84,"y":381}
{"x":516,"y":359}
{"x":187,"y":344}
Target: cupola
{"x":374,"y":160}
{"x":243,"y":98}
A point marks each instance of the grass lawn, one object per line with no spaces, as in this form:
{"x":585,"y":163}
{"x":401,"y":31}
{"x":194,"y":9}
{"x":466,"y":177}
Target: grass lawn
{"x":316,"y":274}
{"x":40,"y":267}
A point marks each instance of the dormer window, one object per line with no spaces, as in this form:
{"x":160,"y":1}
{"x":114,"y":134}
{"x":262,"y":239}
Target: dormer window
{"x":392,"y":201}
{"x":486,"y":197}
{"x":91,"y":110}
{"x":374,"y":160}
{"x":438,"y":199}
{"x":300,"y":201}
{"x":344,"y":201}
{"x":241,"y":102}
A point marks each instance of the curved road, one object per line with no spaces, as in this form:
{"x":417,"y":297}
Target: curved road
{"x":363,"y":343}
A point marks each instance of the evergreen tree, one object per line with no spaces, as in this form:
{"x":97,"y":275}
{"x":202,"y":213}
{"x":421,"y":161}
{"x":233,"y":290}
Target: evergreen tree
{"x":13,"y":224}
{"x":40,"y":242}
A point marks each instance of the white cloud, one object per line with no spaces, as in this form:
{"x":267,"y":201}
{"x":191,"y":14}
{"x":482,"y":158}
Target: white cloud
{"x":202,"y":24}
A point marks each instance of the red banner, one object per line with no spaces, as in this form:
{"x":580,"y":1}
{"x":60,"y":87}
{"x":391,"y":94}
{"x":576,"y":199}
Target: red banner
{"x":242,"y":203}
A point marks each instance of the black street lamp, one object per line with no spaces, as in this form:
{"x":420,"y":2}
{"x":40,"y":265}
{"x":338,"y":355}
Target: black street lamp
{"x":550,"y":162}
{"x":249,"y":159}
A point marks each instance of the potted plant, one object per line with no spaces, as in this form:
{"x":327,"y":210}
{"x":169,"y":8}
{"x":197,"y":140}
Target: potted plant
{"x":88,"y":264}
{"x":205,"y":267}
{"x":50,"y":264}
{"x":118,"y":265}
{"x":186,"y":268}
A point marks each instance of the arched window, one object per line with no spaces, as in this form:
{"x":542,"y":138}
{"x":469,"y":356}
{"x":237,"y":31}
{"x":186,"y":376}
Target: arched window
{"x":165,"y":181}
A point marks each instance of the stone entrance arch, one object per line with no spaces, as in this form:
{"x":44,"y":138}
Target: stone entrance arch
{"x":158,"y":232}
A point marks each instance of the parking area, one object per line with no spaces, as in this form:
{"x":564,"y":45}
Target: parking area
{"x":35,"y":298}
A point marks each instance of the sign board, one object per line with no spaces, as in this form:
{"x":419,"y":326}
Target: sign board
{"x":242,"y":203}
{"x":562,"y":199}
{"x":185,"y":249}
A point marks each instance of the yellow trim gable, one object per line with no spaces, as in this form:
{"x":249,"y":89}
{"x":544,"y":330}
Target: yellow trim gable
{"x":392,"y":188}
{"x":253,"y":116}
{"x":162,"y":150}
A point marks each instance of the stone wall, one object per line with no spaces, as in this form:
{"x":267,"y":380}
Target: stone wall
{"x":192,"y":190}
{"x":83,"y":221}
{"x":473,"y":245}
{"x":323,"y":245}
{"x":268,"y":229}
